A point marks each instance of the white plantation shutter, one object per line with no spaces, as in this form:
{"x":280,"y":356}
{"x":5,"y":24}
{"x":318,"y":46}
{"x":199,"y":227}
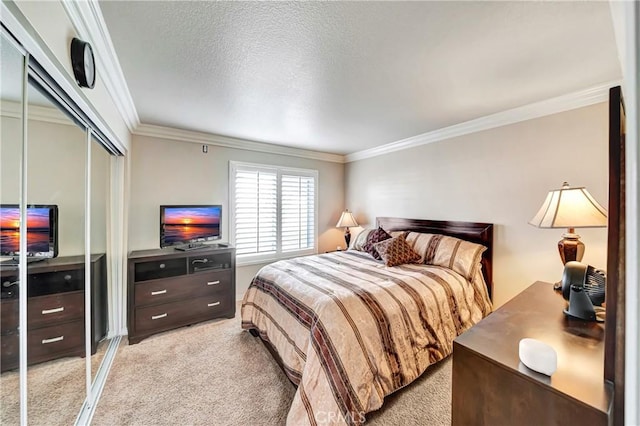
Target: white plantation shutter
{"x":255,"y":215}
{"x":298,"y":212}
{"x":273,"y":211}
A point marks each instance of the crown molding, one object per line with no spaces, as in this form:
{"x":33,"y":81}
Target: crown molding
{"x":229,"y":142}
{"x":89,"y":23}
{"x":52,"y":115}
{"x":35,"y":112}
{"x":555,"y":105}
{"x":10,"y":109}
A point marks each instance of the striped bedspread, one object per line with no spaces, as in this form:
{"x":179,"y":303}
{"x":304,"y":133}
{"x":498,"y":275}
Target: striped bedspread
{"x":350,"y":330}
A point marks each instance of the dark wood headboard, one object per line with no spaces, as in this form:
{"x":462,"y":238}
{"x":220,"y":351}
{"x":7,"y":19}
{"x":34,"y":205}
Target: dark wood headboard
{"x":480,"y":233}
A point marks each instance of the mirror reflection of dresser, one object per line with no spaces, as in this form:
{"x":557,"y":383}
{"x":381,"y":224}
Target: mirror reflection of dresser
{"x":55,"y":310}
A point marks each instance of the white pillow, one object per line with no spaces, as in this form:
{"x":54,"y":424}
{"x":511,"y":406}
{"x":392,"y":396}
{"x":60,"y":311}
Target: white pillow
{"x":360,"y":239}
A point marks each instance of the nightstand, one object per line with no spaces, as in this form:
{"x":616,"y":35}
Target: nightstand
{"x":492,"y":387}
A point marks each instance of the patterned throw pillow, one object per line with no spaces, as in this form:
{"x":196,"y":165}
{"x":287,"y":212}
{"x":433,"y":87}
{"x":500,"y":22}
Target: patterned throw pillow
{"x":395,"y":251}
{"x":375,"y":237}
{"x":453,"y":253}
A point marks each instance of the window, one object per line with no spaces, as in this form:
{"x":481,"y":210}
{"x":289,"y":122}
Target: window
{"x":273,"y":211}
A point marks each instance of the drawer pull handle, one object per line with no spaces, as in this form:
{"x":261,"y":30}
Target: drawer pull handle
{"x":52,"y":311}
{"x":155,"y":293}
{"x":52,"y":340}
{"x":8,"y":284}
{"x":213,"y":304}
{"x":155,"y":317}
{"x":162,"y":266}
{"x":67,"y":277}
{"x":213,"y":282}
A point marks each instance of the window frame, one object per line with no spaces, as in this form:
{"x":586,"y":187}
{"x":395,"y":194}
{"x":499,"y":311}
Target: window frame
{"x":259,"y":258}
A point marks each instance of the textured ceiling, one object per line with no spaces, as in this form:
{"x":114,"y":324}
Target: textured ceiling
{"x":341,"y":77}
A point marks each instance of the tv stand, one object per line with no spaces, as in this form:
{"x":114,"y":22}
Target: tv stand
{"x":55,"y":308}
{"x":16,"y":261}
{"x":191,"y":246}
{"x":170,"y":288}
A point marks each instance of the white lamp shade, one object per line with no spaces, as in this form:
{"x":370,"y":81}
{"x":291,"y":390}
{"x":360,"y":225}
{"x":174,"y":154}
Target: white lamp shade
{"x":570,"y":208}
{"x":346,"y":220}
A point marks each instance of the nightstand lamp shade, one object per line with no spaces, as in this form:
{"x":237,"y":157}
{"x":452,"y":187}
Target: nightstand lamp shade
{"x":570,"y":208}
{"x":346,"y":220}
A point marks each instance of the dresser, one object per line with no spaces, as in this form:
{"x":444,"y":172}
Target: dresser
{"x":492,"y":387}
{"x":55,"y":309}
{"x":168,"y":288}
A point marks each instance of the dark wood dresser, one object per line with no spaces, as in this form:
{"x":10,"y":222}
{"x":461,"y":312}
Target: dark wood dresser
{"x":55,"y":309}
{"x":492,"y":387}
{"x":170,"y":288}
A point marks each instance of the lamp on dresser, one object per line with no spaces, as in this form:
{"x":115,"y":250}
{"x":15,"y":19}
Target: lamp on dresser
{"x":570,"y":207}
{"x":346,"y":220}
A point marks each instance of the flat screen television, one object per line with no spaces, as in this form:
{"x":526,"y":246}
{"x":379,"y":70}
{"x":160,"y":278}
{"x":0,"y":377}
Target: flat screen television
{"x":42,"y":231}
{"x":184,"y":225}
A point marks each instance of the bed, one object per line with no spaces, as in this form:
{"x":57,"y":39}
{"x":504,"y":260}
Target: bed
{"x":349,"y":330}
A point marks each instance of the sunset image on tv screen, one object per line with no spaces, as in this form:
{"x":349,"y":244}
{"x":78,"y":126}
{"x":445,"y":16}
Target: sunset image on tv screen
{"x":37,"y":229}
{"x":183,"y":224}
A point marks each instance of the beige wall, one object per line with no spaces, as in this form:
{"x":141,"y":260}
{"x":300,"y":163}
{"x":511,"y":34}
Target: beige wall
{"x":171,"y":172}
{"x":499,"y":176}
{"x":56,"y":163}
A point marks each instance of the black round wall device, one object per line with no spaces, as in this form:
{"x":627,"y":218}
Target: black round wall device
{"x":83,"y":63}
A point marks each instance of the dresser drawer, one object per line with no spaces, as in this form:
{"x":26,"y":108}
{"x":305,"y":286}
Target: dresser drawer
{"x":174,"y":314}
{"x":208,"y":262}
{"x":156,"y":269}
{"x":9,"y":315}
{"x":47,"y":342}
{"x":40,"y":284}
{"x":55,"y":308}
{"x":43,"y":344}
{"x":61,"y":281}
{"x":10,"y":346}
{"x":161,"y":291}
{"x":9,"y":280}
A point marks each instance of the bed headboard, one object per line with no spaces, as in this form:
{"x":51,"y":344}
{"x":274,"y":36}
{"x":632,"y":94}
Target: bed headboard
{"x":481,"y":233}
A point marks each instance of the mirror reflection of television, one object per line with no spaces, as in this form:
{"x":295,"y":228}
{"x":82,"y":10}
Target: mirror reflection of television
{"x":180,"y":225}
{"x":42,"y":231}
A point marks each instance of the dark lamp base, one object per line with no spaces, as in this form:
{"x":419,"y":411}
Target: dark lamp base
{"x":570,"y":248}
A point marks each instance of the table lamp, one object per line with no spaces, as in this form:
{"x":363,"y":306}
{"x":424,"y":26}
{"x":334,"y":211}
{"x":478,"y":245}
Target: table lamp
{"x":346,"y":220}
{"x":570,"y":207}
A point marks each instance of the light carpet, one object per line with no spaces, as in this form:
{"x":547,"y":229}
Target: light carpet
{"x":56,"y":390}
{"x":214,"y":373}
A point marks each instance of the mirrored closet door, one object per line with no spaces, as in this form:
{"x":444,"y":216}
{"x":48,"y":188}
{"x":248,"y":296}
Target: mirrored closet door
{"x":56,"y":169}
{"x":100,"y":209}
{"x":56,"y":186}
{"x":11,"y":82}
